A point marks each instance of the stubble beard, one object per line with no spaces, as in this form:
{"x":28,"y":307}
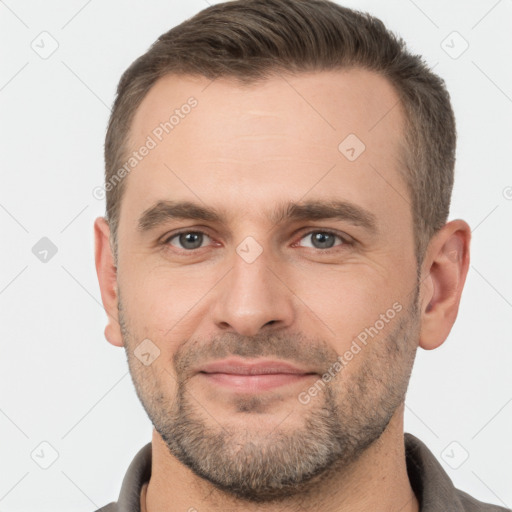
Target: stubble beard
{"x":337,"y":426}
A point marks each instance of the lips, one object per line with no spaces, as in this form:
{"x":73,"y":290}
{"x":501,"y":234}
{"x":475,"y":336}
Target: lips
{"x":241,"y":375}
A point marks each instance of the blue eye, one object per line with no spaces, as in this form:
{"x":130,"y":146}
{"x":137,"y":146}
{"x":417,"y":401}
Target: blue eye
{"x":322,"y":239}
{"x":189,"y":240}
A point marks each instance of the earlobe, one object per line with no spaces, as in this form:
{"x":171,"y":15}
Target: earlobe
{"x":107,"y":279}
{"x":445,"y":266}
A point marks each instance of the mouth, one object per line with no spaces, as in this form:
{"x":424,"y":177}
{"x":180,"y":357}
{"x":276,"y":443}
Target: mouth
{"x":253,"y":377}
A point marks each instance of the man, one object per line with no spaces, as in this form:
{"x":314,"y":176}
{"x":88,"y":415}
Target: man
{"x":275,"y":249}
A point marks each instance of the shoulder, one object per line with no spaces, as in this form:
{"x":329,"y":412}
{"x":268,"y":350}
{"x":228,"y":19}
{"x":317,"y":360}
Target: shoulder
{"x":470,"y":504}
{"x":111,"y":507}
{"x":433,"y":486}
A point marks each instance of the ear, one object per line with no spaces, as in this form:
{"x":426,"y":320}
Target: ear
{"x":107,"y":278}
{"x":444,"y":271}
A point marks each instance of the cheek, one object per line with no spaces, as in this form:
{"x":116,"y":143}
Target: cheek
{"x":162,"y":305}
{"x":345,"y":300}
{"x":161,"y":296}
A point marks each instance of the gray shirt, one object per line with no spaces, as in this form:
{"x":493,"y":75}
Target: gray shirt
{"x":430,"y":482}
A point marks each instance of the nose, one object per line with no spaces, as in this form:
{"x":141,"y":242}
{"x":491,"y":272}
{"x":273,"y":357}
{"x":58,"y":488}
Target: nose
{"x":253,"y":296}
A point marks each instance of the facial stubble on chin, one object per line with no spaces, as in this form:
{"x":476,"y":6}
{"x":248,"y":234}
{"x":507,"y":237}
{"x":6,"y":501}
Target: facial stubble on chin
{"x":338,"y":425}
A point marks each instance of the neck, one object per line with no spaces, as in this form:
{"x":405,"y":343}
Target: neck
{"x":378,"y":480}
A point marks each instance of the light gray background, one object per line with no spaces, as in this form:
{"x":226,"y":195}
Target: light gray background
{"x":63,"y":384}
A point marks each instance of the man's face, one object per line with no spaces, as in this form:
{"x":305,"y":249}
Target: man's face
{"x":253,"y":285}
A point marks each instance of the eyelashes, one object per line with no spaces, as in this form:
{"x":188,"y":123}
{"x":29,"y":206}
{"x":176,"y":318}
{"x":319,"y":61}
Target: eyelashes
{"x":198,"y":237}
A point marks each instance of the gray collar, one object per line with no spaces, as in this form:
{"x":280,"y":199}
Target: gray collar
{"x":430,"y":482}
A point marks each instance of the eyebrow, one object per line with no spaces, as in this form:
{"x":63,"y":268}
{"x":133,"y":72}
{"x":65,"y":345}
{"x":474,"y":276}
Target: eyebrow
{"x":163,"y":211}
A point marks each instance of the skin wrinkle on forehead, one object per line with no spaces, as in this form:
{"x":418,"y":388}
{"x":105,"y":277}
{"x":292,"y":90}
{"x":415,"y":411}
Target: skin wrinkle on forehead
{"x":164,"y":83}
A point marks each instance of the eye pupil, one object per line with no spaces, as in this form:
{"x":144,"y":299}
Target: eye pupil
{"x":194,"y":239}
{"x":326,"y":240}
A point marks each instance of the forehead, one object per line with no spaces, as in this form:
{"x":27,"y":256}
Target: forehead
{"x":239,"y":146}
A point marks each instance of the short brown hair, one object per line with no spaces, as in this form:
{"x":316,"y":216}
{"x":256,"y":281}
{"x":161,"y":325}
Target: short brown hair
{"x":250,"y":40}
